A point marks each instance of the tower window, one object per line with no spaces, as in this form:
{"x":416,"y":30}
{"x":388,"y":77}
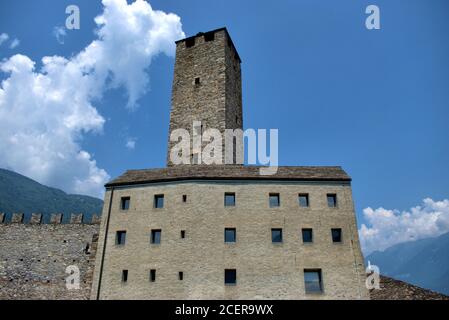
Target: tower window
{"x":184,"y":198}
{"x":124,"y":203}
{"x":332,"y":200}
{"x":190,"y":42}
{"x":229,"y":199}
{"x":120,"y":238}
{"x":303,"y":200}
{"x":124,"y":276}
{"x":336,"y":235}
{"x":230,"y":235}
{"x":156,"y":236}
{"x":274,"y":200}
{"x":183,"y":234}
{"x":230,"y":277}
{"x":209,"y":36}
{"x":159,"y":201}
{"x":152,"y":275}
{"x":307,"y":235}
{"x":197,"y":81}
{"x":276,"y":235}
{"x":181,"y":275}
{"x":313,"y":281}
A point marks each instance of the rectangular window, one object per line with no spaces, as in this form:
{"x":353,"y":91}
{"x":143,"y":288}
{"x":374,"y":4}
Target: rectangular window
{"x":120,"y":238}
{"x":274,"y":200}
{"x":229,"y":199}
{"x":184,"y":198}
{"x":124,"y":203}
{"x":152,"y":275}
{"x":159,"y":201}
{"x":209,"y":36}
{"x":156,"y":236}
{"x":124,"y":275}
{"x":336,"y":235}
{"x":197,"y":81}
{"x":181,"y":275}
{"x":332,"y":200}
{"x":307,"y":235}
{"x":313,"y":281}
{"x":276,"y":235}
{"x":190,"y":42}
{"x":230,"y":277}
{"x":183,"y":234}
{"x":303,"y":200}
{"x":230,"y":235}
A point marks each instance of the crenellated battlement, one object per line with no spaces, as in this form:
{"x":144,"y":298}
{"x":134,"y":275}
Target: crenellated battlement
{"x":56,"y":218}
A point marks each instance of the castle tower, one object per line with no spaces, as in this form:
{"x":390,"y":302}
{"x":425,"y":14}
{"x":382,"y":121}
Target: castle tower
{"x":207,"y":86}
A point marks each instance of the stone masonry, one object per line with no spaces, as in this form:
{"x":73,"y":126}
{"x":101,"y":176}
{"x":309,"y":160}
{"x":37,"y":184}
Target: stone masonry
{"x":34,"y":257}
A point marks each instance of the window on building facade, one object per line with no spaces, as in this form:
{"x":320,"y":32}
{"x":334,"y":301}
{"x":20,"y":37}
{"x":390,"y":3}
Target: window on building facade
{"x":124,"y":275}
{"x":274,"y":200}
{"x":303,"y":200}
{"x":197,"y":81}
{"x":307,"y":235}
{"x":156,"y":236}
{"x":120,"y":237}
{"x":230,"y":277}
{"x":332,"y":200}
{"x":181,"y":275}
{"x":152,"y":275}
{"x":230,"y":235}
{"x":336,"y":235}
{"x":184,"y":198}
{"x":276,"y":235}
{"x":124,"y":203}
{"x":313,"y":281}
{"x":229,"y":199}
{"x":159,"y":201}
{"x":183,"y":234}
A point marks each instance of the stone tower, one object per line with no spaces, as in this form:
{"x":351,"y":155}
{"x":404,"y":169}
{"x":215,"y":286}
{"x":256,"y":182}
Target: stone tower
{"x":207,"y":85}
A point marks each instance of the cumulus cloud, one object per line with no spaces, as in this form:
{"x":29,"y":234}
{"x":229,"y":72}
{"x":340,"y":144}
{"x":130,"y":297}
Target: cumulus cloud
{"x":3,"y":37}
{"x":14,"y":44}
{"x":59,"y":33}
{"x":389,"y":227}
{"x":46,"y":112}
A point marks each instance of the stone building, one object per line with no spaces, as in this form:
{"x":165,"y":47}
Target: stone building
{"x":225,"y":231}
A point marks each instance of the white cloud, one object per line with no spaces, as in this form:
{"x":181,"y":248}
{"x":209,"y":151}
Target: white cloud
{"x":389,"y":227}
{"x":131,"y":143}
{"x":14,"y":44}
{"x":59,"y":33}
{"x":45,"y":113}
{"x":3,"y":37}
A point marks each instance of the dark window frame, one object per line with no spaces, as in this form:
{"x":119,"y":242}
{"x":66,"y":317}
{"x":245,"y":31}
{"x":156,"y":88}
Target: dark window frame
{"x":234,"y":230}
{"x":273,"y":238}
{"x":276,"y":196}
{"x":335,"y":200}
{"x":120,"y":237}
{"x":183,"y":234}
{"x":337,"y":238}
{"x":229,"y":194}
{"x":230,"y":277}
{"x":304,"y":233}
{"x":153,"y":275}
{"x":156,"y":204}
{"x":310,"y":287}
{"x":154,"y":237}
{"x":125,"y":203}
{"x":124,"y":276}
{"x":306,"y":196}
{"x":180,"y":275}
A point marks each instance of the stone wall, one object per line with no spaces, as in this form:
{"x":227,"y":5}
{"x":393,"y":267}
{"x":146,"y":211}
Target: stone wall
{"x":265,"y":270}
{"x":34,"y":257}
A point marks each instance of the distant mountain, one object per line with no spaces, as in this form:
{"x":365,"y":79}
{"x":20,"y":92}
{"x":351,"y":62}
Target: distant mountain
{"x":19,"y":194}
{"x":424,"y":263}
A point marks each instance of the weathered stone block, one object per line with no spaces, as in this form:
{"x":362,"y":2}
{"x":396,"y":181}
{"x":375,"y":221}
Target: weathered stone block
{"x":96,"y":219}
{"x":76,"y":218}
{"x":17,"y":218}
{"x":36,"y":218}
{"x":56,"y":218}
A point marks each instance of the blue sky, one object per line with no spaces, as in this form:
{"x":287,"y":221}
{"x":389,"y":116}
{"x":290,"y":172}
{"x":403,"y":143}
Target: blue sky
{"x":375,"y":102}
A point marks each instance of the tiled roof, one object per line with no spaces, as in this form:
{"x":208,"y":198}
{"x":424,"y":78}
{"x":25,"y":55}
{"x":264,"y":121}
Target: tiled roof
{"x":228,"y":172}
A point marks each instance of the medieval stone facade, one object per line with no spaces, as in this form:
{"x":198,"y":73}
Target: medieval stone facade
{"x":225,"y":231}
